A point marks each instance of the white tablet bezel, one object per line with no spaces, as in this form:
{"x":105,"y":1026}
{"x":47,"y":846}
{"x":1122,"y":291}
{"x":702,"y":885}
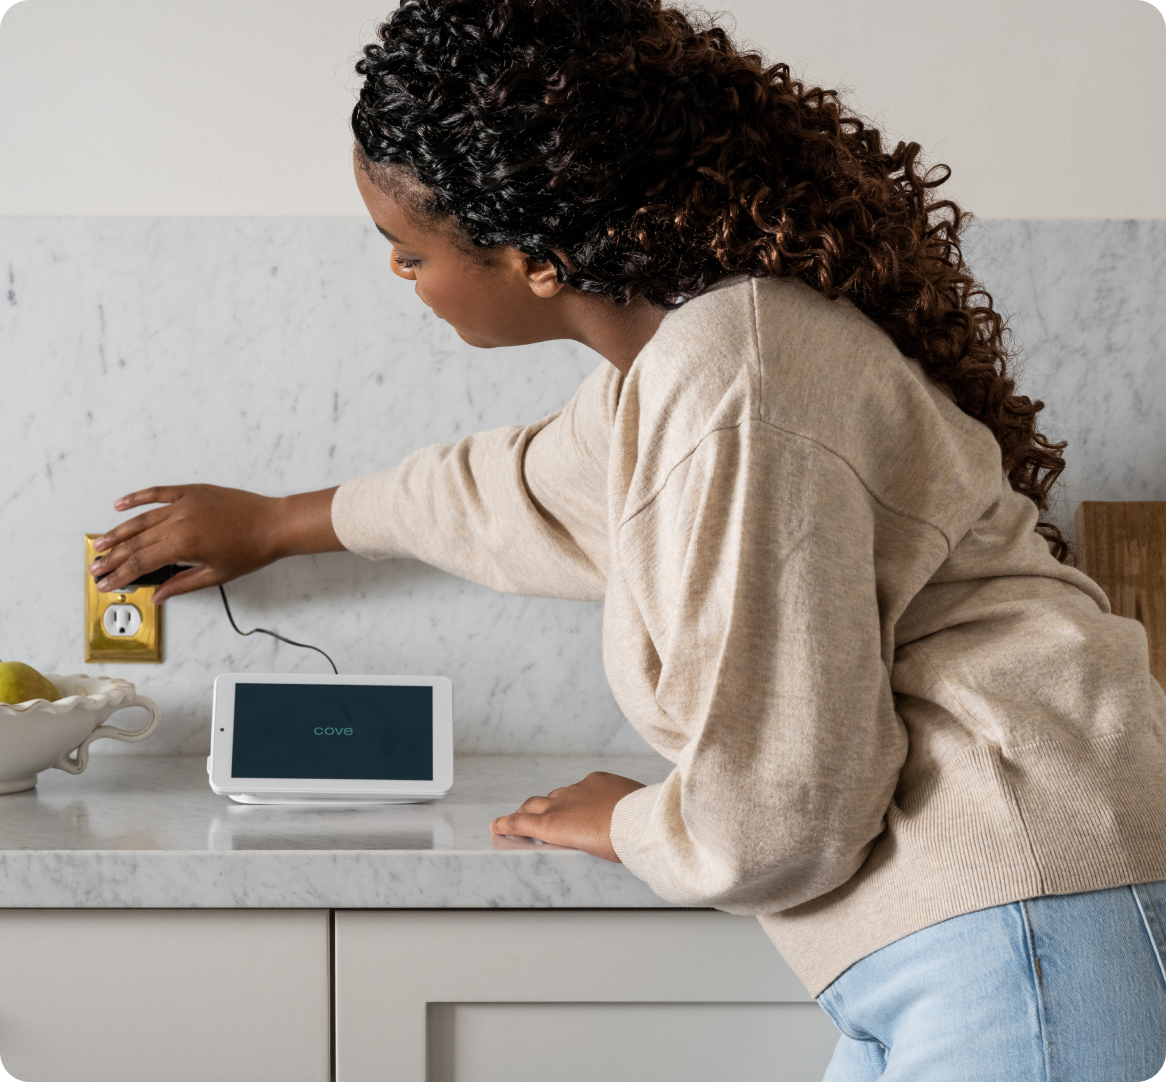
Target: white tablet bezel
{"x":223,"y":733}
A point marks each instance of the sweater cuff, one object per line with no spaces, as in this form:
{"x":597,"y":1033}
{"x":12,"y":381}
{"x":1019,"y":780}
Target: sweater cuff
{"x":360,"y":518}
{"x":628,"y":821}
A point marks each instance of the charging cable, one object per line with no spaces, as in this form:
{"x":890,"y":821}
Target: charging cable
{"x":273,"y":634}
{"x":156,"y":578}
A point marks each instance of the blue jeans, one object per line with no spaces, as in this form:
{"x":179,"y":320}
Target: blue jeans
{"x":1069,"y":988}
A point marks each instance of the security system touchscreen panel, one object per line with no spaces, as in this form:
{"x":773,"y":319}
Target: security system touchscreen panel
{"x":291,"y":739}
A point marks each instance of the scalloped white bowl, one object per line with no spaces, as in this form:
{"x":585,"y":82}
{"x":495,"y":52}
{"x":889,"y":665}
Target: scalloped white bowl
{"x":37,"y":734}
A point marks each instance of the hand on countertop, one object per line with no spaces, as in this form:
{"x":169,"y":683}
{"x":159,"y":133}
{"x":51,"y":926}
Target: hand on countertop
{"x":575,"y":816}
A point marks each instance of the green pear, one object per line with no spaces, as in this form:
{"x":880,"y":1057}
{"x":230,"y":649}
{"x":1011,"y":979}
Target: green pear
{"x":20,"y":682}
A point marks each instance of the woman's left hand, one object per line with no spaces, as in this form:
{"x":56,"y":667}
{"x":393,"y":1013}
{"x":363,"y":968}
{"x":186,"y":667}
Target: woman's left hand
{"x":576,"y":816}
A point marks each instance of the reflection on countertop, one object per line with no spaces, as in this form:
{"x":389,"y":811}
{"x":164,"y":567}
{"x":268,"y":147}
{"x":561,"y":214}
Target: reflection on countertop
{"x":147,"y":831}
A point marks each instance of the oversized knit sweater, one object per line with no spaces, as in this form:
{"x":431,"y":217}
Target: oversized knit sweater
{"x":886,"y":703}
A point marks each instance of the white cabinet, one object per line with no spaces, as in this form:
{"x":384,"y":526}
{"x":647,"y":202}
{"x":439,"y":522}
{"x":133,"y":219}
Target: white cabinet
{"x":187,"y":995}
{"x":577,"y":996}
{"x":157,"y":995}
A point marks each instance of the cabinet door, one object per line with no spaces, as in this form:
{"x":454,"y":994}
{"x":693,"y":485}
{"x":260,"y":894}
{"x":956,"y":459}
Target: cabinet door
{"x":156,"y":995}
{"x":523,"y":996}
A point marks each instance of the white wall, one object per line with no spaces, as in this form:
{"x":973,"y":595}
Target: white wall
{"x":1043,"y":108}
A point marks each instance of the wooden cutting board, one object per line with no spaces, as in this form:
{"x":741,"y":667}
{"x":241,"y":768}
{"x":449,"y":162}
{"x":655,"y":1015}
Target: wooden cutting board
{"x":1122,"y":547}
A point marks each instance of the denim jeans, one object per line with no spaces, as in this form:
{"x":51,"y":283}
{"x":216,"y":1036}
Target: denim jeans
{"x":1068,"y":988}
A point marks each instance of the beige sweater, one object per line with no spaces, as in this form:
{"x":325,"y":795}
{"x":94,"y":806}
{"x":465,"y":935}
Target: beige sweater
{"x":886,"y":702}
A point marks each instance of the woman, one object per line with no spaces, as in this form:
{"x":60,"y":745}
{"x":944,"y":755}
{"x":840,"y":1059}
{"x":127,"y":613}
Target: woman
{"x":907,"y":734}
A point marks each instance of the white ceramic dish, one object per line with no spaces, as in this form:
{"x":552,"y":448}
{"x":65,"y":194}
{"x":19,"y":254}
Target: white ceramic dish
{"x":37,"y":734}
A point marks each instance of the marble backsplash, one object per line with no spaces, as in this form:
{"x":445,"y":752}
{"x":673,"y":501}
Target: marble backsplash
{"x":282,"y":355}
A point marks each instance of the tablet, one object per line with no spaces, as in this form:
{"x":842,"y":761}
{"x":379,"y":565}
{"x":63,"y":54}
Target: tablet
{"x":282,"y":739}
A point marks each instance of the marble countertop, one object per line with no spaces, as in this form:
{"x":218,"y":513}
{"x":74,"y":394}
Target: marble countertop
{"x":140,"y":831}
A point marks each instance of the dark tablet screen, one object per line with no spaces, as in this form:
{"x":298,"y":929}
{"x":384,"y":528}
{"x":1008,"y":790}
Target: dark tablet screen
{"x":357,"y":731}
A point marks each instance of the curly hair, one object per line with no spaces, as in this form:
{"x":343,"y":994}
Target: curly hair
{"x":660,"y":158}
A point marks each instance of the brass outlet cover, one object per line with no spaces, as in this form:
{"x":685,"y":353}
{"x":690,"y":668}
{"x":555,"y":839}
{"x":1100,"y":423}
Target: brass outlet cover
{"x":144,"y":645}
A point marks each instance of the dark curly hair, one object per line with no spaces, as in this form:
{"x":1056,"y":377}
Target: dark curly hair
{"x":660,"y":158}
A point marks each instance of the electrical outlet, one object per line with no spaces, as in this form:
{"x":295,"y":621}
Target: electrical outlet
{"x":122,"y":626}
{"x":122,"y":620}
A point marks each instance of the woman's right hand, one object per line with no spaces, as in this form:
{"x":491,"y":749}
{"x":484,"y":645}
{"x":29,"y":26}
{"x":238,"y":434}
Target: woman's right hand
{"x":224,"y":532}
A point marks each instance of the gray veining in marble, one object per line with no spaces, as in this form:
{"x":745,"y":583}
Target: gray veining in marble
{"x":278,"y":356}
{"x":282,"y":355}
{"x":145,"y":831}
{"x":1086,"y":306}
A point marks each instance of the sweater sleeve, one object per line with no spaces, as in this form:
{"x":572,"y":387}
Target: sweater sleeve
{"x":774,"y":663}
{"x":519,"y":509}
